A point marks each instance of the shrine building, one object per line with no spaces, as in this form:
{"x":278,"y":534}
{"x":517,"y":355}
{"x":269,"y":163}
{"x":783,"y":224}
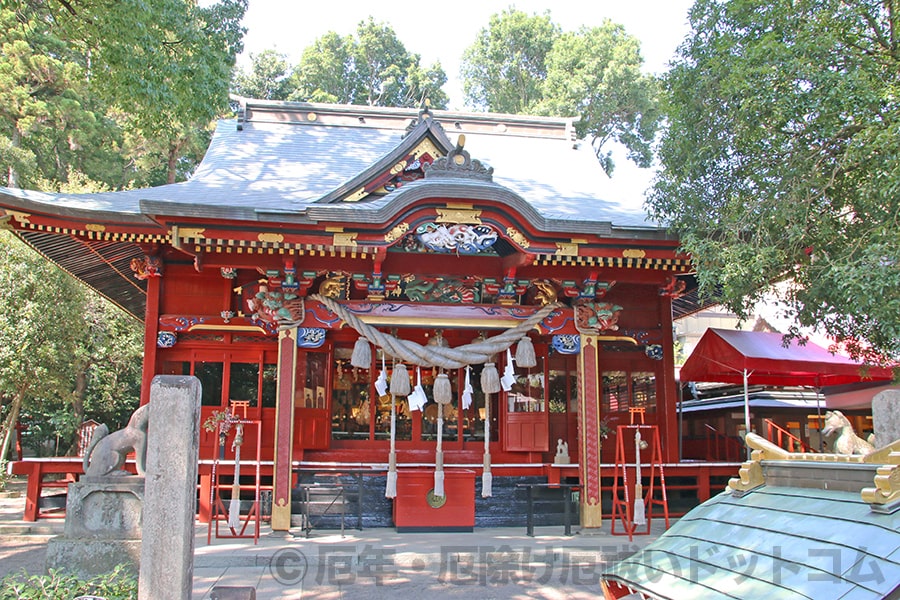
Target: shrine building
{"x":322,"y":254}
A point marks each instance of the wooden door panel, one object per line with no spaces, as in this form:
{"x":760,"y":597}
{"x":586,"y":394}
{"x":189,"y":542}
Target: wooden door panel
{"x":526,"y":432}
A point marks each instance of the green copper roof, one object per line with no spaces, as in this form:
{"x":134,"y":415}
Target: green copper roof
{"x":774,"y":542}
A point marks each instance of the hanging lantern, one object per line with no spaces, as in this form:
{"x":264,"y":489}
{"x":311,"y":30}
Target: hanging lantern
{"x":490,"y":379}
{"x":362,"y":354}
{"x":400,"y":380}
{"x":443,"y":392}
{"x":525,"y":353}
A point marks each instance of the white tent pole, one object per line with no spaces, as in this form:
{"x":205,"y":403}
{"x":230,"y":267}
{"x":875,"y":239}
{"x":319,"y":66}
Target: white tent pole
{"x":746,"y":408}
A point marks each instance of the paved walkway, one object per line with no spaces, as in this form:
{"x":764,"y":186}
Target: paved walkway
{"x":373,"y":563}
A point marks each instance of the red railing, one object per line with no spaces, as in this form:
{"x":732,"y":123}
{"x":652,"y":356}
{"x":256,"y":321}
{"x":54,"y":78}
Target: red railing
{"x":722,"y":447}
{"x":783,"y":438}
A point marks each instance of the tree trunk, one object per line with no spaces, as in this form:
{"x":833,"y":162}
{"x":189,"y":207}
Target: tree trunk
{"x":10,"y":427}
{"x":172,"y":162}
{"x":78,"y":409}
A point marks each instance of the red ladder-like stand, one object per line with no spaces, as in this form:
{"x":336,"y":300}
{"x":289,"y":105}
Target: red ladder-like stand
{"x":623,"y":507}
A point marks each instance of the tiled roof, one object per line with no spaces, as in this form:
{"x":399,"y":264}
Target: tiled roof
{"x":275,"y":160}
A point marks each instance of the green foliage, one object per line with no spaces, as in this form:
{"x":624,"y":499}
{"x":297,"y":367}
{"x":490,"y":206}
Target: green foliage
{"x":505,"y":68}
{"x":525,"y":64}
{"x":267,"y":79}
{"x":50,"y":124}
{"x":65,"y":353}
{"x":57,"y":585}
{"x":596,"y":74}
{"x":779,"y":162}
{"x":373,"y":68}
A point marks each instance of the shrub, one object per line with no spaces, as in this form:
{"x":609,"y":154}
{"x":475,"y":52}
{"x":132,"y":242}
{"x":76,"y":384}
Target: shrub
{"x":117,"y":585}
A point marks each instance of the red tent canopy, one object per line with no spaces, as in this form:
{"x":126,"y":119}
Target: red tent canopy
{"x":724,"y":355}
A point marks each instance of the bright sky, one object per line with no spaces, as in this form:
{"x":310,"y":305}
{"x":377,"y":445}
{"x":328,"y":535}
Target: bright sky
{"x":442,"y":31}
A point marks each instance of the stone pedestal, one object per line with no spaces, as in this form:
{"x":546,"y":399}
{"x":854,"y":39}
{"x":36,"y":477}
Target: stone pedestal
{"x":103,"y":527}
{"x":886,"y":417}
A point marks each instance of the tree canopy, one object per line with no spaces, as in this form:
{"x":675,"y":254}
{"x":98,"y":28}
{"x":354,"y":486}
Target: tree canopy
{"x":92,"y":87}
{"x":371,"y":68}
{"x":524,"y":64}
{"x":779,"y":161}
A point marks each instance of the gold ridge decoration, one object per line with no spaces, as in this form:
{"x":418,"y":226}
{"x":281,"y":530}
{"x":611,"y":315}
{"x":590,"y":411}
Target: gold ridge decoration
{"x":887,"y":486}
{"x":633,"y":253}
{"x":517,"y":236}
{"x":95,"y":227}
{"x":750,"y":475}
{"x":458,"y":215}
{"x":272,"y":238}
{"x":396,"y":233}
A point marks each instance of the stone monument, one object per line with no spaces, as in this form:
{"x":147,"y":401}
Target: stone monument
{"x":886,"y":417}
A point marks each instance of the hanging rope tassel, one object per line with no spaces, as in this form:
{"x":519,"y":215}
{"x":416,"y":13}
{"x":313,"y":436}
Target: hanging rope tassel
{"x":234,"y":506}
{"x":443,"y":395}
{"x":490,"y":384}
{"x":439,"y":454}
{"x":525,"y":356}
{"x":390,"y":490}
{"x":399,"y":387}
{"x":362,"y":354}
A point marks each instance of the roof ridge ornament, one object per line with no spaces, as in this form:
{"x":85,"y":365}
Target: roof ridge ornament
{"x":459,"y":164}
{"x":425,"y":114}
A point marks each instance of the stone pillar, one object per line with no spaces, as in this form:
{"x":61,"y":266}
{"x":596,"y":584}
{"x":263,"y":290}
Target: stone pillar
{"x":170,"y":495}
{"x":886,"y":417}
{"x":284,"y":431}
{"x":589,"y":431}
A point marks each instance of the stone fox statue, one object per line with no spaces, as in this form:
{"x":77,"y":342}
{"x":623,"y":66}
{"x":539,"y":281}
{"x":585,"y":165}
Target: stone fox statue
{"x":106,"y":453}
{"x":847,"y":442}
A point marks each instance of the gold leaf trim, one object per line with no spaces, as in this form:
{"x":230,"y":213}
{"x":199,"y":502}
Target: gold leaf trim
{"x":566,"y":249}
{"x":188,"y":232}
{"x":356,"y":196}
{"x":275,"y":238}
{"x":396,"y":233}
{"x":633,"y":253}
{"x":344,"y":239}
{"x":458,"y":215}
{"x":21,"y":217}
{"x":95,"y":227}
{"x":517,"y":236}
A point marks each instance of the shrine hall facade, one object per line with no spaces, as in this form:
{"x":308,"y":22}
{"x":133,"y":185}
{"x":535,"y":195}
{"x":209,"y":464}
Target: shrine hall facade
{"x":440,"y":241}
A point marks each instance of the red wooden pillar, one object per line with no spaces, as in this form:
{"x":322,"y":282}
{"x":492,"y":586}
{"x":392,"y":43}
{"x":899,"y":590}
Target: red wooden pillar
{"x":151,"y":331}
{"x":204,"y":512}
{"x":589,"y":429}
{"x":32,"y":470}
{"x":284,"y":431}
{"x":667,"y":387}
